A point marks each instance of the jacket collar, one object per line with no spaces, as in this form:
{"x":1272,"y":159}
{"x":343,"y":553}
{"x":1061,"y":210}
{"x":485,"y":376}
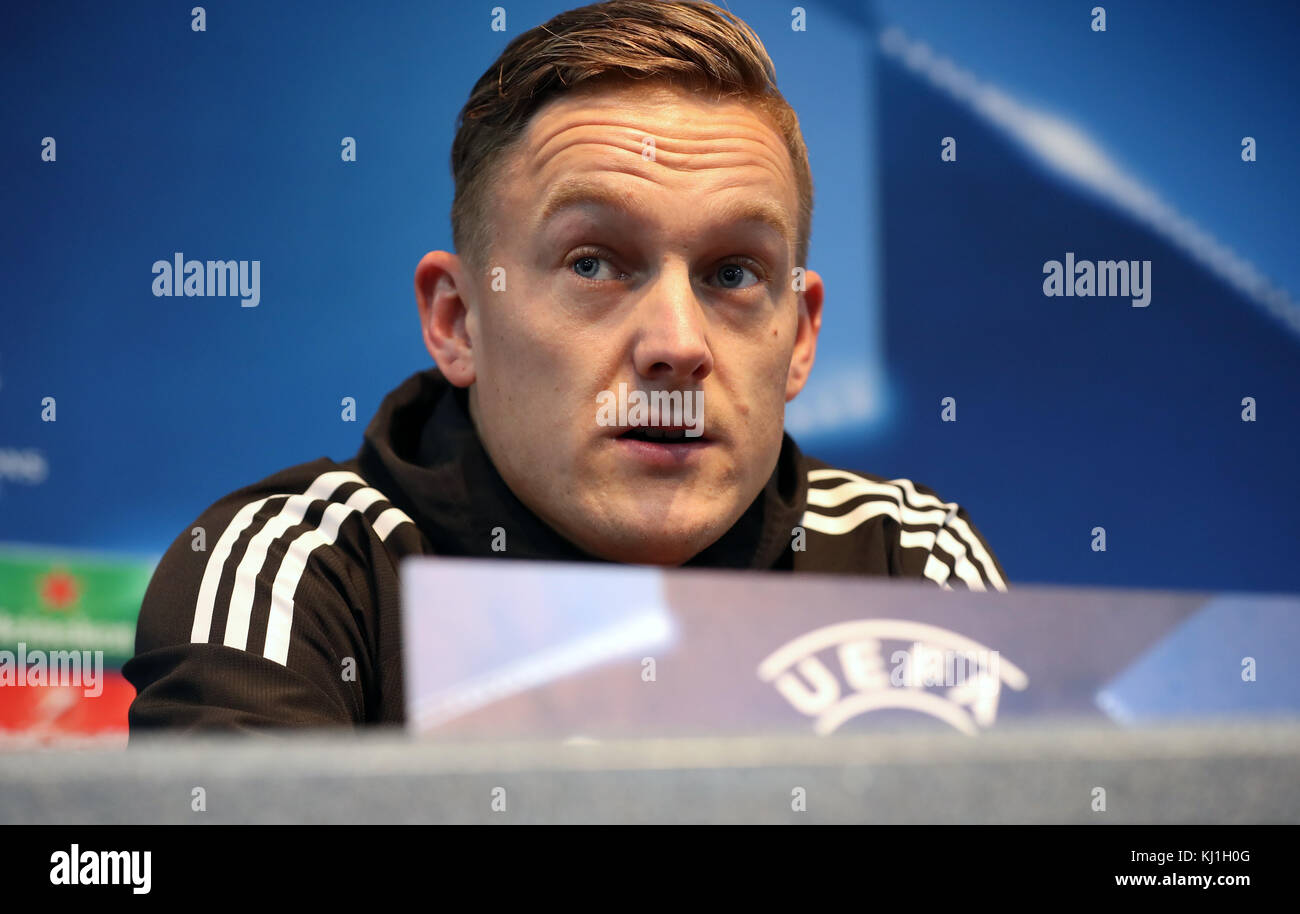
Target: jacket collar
{"x":422,"y":452}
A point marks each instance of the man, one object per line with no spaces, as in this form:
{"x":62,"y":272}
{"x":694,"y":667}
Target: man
{"x":632,"y":215}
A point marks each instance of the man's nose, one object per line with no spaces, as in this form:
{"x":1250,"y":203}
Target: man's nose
{"x":671,"y":344}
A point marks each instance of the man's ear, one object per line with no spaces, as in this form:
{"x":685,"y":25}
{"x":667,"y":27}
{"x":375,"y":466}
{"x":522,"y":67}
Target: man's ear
{"x":805,"y":339}
{"x":440,"y":289}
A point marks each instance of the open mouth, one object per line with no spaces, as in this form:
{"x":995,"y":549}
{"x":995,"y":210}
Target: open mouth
{"x":660,"y":435}
{"x":663,"y":449}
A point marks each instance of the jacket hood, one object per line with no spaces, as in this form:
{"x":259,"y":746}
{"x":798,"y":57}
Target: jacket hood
{"x":422,"y":451}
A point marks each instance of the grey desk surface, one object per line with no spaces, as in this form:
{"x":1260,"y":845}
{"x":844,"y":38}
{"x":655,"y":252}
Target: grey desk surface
{"x":1231,"y":773}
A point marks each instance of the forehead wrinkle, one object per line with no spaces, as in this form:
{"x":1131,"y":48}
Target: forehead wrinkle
{"x":732,"y":157}
{"x":762,"y":142}
{"x":741,"y":139}
{"x":722,"y":128}
{"x":673,"y":161}
{"x":575,"y":192}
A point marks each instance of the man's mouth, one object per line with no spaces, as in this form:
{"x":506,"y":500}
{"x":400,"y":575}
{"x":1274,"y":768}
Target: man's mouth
{"x":660,"y":448}
{"x":660,"y":434}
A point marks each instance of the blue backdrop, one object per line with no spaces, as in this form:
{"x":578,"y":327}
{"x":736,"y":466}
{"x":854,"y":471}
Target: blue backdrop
{"x":1072,"y":413}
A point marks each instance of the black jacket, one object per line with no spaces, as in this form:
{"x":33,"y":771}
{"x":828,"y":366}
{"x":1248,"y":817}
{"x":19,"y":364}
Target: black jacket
{"x":284,"y":611}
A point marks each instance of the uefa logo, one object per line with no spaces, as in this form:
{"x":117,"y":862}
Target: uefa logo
{"x":839,"y":672}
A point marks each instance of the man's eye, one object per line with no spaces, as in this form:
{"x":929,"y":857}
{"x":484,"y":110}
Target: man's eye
{"x":732,"y":276}
{"x":588,"y":266}
{"x":728,"y":276}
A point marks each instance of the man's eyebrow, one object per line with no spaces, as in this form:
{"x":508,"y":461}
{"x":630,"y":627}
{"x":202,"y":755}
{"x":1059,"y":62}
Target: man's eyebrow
{"x":578,"y":192}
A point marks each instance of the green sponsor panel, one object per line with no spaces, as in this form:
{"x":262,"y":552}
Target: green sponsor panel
{"x":55,"y":600}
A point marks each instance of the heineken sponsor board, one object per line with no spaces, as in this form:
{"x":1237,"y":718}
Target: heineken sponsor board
{"x":67,"y":624}
{"x":56,"y":601}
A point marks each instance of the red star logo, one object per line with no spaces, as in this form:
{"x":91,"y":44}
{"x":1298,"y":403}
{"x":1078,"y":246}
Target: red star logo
{"x":59,"y":590}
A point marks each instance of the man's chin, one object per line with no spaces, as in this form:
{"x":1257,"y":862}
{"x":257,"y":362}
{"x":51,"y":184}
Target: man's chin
{"x":658,"y":545}
{"x":643,"y":553}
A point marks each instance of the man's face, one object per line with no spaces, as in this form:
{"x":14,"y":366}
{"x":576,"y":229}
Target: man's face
{"x":645,"y":237}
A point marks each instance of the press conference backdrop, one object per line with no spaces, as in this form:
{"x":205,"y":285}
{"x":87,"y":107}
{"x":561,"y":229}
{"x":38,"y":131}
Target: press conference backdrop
{"x":957,"y":149}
